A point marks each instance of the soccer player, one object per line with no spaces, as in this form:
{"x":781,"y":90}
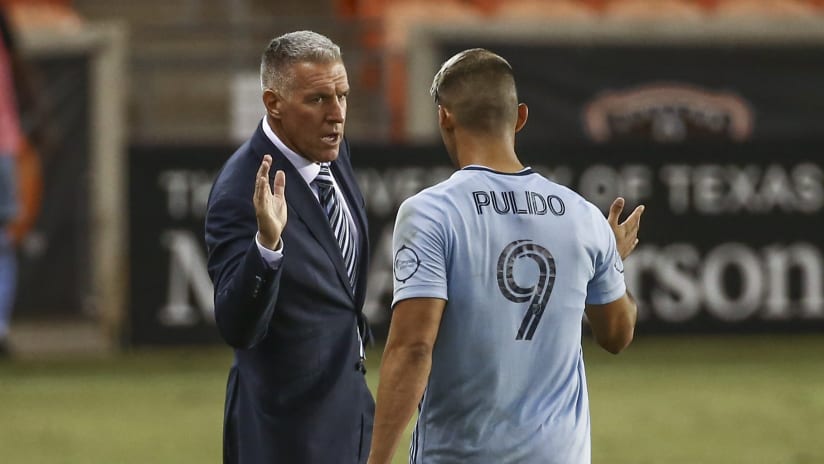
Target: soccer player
{"x":494,"y":269}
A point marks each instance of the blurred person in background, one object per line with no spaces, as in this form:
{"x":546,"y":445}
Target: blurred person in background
{"x":494,"y":269}
{"x":11,"y":142}
{"x":289,"y":295}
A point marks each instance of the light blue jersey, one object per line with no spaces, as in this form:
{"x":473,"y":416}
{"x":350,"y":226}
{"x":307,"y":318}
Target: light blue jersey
{"x":516,"y":256}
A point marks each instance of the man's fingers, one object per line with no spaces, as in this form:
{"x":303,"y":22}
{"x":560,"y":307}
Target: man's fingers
{"x":634,"y":219}
{"x":262,"y":180}
{"x":260,"y":186}
{"x":263,"y":170}
{"x":280,"y":184}
{"x":615,"y":211}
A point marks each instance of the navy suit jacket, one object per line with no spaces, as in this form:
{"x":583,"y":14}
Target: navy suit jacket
{"x":296,"y":391}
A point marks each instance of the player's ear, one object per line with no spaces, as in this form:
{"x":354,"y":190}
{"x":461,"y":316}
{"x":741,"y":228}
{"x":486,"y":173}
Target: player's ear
{"x":523,"y":113}
{"x":272,"y":102}
{"x":445,"y":118}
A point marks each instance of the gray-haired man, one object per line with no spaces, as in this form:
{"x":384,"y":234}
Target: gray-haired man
{"x":288,"y":296}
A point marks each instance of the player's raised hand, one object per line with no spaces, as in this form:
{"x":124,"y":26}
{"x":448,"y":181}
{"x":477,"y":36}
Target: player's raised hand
{"x":626,"y":233}
{"x":270,"y":204}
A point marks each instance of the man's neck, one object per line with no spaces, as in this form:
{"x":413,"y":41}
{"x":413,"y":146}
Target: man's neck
{"x":496,"y":153}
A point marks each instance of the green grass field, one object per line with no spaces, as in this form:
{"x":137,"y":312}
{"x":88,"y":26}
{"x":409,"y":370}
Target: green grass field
{"x":687,"y":400}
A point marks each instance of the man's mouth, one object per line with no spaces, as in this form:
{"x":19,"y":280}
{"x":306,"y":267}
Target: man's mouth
{"x":331,"y":138}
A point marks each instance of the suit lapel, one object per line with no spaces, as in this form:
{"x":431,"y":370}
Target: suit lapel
{"x":302,"y":205}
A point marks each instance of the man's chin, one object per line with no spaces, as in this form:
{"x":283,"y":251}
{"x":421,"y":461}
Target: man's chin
{"x":328,"y":155}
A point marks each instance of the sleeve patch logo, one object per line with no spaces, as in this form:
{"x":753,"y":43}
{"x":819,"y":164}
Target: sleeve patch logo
{"x":406,"y":264}
{"x":618,"y":263}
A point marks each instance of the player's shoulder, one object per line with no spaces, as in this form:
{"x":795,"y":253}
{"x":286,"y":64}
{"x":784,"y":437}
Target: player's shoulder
{"x":425,"y":199}
{"x":570,"y":196}
{"x":583,"y":211}
{"x":431,"y":203}
{"x":440,"y":191}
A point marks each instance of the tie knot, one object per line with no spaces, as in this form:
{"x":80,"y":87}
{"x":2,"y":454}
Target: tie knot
{"x":324,"y":176}
{"x":324,"y":179}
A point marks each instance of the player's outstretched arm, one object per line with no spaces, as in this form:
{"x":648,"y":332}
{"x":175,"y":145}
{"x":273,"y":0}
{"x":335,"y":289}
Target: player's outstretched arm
{"x":613,"y":324}
{"x":407,"y":361}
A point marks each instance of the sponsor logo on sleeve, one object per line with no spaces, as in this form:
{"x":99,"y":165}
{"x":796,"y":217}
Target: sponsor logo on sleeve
{"x":406,"y":264}
{"x":617,"y":262}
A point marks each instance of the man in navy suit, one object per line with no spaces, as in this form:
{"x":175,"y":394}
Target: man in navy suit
{"x":288,"y":296}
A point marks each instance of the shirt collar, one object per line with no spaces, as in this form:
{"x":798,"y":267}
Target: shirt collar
{"x":308,"y":170}
{"x":479,"y":167}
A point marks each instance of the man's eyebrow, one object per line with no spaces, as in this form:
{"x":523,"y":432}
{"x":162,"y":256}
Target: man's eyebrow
{"x":320,"y":93}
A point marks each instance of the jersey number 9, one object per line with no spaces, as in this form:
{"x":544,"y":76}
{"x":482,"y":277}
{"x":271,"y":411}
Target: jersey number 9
{"x":538,"y":294}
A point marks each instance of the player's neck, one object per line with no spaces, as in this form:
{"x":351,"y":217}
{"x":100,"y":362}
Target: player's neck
{"x":496,"y":153}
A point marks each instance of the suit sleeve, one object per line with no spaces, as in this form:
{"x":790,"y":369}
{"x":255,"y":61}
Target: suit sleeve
{"x":245,"y":287}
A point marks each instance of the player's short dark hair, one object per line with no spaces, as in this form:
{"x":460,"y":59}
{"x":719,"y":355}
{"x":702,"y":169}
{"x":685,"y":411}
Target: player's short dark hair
{"x":478,"y":86}
{"x":288,"y":49}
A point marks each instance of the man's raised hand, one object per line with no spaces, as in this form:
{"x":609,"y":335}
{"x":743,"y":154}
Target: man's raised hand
{"x":270,"y":204}
{"x":626,"y":233}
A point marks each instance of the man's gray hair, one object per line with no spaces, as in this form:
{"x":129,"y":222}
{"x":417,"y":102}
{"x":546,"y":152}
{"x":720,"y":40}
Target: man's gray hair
{"x":289,"y":49}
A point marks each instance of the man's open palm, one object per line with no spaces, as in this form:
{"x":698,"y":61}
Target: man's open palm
{"x":270,"y":204}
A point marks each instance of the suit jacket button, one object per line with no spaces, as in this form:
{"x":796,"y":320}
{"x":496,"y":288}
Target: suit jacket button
{"x":360,"y":366}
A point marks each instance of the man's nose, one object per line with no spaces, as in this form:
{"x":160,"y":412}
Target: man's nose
{"x":337,"y":110}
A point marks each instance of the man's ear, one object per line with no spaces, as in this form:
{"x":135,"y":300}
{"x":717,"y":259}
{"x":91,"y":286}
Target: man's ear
{"x":445,"y":118}
{"x":272,"y":102}
{"x":523,"y":114}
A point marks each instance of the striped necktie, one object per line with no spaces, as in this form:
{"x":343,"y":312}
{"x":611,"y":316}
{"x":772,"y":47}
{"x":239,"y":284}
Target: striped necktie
{"x":338,"y":219}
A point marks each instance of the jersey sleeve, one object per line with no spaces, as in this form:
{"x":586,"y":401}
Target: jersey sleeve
{"x":607,"y":285}
{"x":419,"y":251}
